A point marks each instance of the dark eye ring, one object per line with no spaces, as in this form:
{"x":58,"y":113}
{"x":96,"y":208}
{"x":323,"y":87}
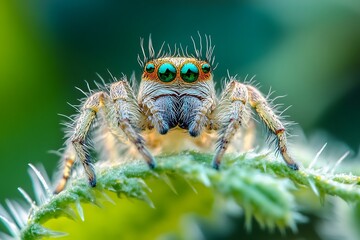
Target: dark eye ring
{"x":150,"y":67}
{"x":205,"y":68}
{"x":166,"y":72}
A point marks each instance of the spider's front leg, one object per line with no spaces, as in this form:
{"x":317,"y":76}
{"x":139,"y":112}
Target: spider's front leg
{"x":126,"y":110}
{"x":272,"y":121}
{"x":231,"y":113}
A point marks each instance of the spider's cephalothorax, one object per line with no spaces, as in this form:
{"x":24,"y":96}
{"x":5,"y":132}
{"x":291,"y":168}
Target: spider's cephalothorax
{"x":176,"y":108}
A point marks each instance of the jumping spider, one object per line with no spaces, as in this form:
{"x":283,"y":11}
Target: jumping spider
{"x":175,"y":108}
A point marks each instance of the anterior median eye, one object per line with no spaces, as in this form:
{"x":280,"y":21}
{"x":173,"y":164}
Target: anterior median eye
{"x":166,"y":72}
{"x":150,"y":67}
{"x":189,"y":72}
{"x":205,"y":67}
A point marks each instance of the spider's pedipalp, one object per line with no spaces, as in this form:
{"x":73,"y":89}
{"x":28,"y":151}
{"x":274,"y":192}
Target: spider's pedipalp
{"x":200,"y":118}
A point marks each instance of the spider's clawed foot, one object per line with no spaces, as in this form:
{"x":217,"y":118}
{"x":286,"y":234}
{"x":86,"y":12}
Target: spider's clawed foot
{"x":215,"y":165}
{"x":288,"y":159}
{"x":152,"y":163}
{"x":294,"y":166}
{"x":92,"y":181}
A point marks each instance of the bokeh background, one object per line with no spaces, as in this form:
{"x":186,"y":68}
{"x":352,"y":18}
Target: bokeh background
{"x":307,"y":50}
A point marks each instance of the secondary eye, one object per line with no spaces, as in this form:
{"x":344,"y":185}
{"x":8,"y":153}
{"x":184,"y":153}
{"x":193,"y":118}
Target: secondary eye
{"x":189,"y":72}
{"x":205,"y":67}
{"x":150,"y":67}
{"x":166,"y":72}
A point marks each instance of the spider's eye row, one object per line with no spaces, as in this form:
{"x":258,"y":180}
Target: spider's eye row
{"x":189,"y":72}
{"x":150,"y":67}
{"x":205,"y":67}
{"x":166,"y":72}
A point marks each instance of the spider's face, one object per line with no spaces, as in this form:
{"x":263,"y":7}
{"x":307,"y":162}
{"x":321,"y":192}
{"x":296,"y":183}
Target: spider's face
{"x":177,"y":70}
{"x":177,"y":88}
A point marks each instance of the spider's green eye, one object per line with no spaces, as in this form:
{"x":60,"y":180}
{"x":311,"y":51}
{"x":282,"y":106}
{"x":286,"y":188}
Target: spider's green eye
{"x":205,"y":67}
{"x":150,"y":67}
{"x":189,"y":72}
{"x":166,"y":72}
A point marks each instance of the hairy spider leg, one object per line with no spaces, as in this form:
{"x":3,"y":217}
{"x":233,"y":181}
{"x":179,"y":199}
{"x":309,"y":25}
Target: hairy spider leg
{"x":272,"y":121}
{"x":232,"y":113}
{"x":124,"y":103}
{"x":78,"y":140}
{"x":120,"y":102}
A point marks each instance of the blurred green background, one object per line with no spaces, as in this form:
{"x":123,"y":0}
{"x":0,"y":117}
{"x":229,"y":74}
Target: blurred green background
{"x":308,"y":50}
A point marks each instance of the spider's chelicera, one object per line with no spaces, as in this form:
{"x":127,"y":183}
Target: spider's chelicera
{"x":175,"y":108}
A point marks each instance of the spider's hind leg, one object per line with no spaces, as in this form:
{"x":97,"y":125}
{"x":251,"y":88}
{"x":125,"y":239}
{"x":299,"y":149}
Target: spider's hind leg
{"x":68,"y":160}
